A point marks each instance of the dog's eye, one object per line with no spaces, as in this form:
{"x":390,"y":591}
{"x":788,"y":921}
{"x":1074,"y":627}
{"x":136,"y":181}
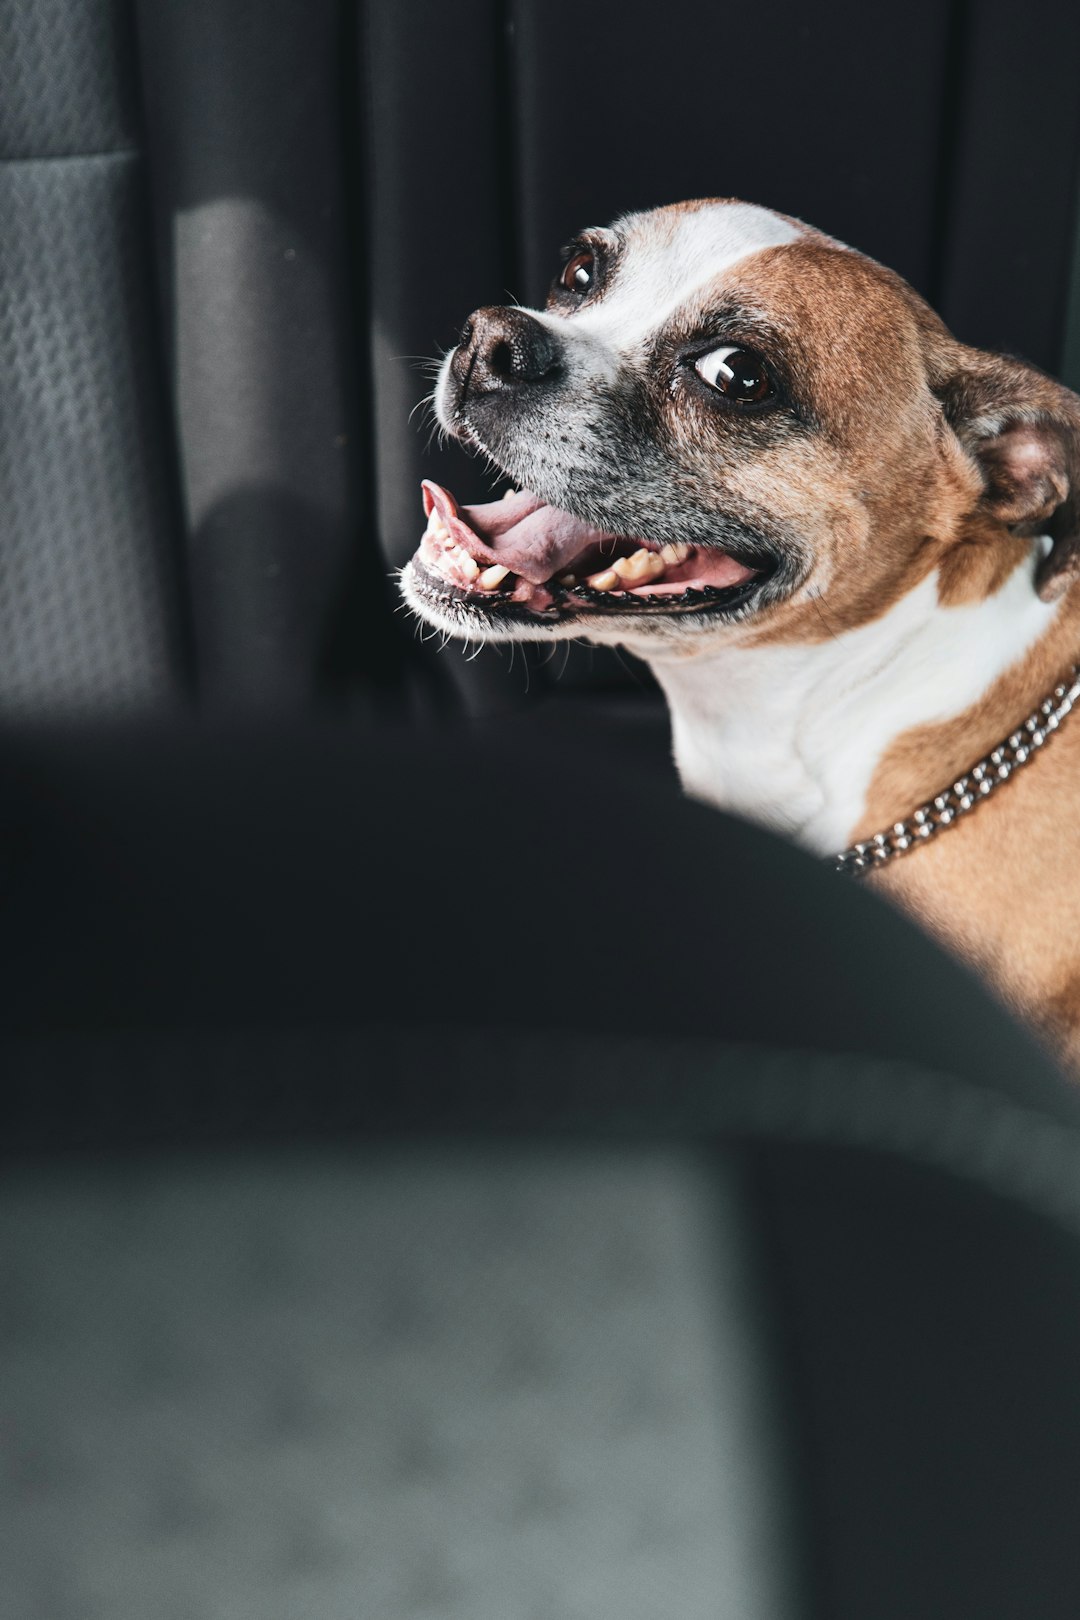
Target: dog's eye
{"x":579,"y":272}
{"x":738,"y":374}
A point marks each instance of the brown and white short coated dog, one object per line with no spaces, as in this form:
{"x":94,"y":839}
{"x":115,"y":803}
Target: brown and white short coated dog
{"x":847,"y":545}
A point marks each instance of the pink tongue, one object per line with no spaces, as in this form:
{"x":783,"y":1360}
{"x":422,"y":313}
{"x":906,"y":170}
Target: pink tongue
{"x":531,"y":539}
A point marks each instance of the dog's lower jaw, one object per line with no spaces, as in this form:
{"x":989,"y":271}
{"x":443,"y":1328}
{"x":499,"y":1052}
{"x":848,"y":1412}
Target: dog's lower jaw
{"x":792,"y":736}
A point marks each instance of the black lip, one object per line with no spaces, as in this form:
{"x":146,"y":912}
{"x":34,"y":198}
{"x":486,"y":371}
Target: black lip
{"x":712,"y":599}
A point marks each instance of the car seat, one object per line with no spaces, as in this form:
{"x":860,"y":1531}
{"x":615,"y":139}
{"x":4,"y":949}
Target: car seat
{"x":447,"y":1172}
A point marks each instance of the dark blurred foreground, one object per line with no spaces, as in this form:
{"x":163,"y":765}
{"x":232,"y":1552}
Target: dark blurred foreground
{"x":451,"y":1174}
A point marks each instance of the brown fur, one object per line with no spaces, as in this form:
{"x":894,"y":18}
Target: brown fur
{"x":892,"y":504}
{"x":920,"y":479}
{"x":1003,"y":885}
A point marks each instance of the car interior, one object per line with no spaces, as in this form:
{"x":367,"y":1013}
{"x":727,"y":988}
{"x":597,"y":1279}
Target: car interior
{"x":449,"y":1174}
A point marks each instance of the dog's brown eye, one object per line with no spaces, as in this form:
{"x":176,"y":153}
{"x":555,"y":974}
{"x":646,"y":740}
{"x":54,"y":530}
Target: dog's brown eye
{"x":580,"y":272}
{"x":738,"y":374}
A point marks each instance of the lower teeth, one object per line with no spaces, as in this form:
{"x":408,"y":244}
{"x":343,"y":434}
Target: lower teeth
{"x":492,"y":577}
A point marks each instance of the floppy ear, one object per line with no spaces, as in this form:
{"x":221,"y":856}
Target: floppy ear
{"x":1022,"y":429}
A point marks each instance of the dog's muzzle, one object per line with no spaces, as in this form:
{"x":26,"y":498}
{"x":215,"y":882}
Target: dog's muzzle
{"x":522,"y":559}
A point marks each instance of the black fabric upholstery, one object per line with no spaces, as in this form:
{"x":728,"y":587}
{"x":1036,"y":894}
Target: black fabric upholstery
{"x":332,"y":189}
{"x":1009,"y":205}
{"x":254,"y":206}
{"x":223,"y":881}
{"x":932,"y":1334}
{"x":780,"y":105}
{"x":90,"y":608}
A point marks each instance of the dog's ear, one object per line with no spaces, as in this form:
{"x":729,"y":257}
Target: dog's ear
{"x":1022,"y":429}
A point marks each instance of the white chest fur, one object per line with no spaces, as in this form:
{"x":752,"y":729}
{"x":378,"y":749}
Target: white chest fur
{"x":791,"y":735}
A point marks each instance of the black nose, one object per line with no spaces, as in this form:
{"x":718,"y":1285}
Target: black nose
{"x":501,"y":347}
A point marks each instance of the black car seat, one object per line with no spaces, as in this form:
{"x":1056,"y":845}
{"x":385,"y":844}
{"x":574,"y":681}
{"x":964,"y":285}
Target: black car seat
{"x":285,"y":888}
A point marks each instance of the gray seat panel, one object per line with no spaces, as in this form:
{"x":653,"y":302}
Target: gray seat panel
{"x":68,"y":77}
{"x":87,"y":601}
{"x":525,"y":1384}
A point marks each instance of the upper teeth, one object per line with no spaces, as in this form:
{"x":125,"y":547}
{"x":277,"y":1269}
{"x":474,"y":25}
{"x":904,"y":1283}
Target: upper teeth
{"x":606,"y":580}
{"x":676,"y":551}
{"x":643,"y":565}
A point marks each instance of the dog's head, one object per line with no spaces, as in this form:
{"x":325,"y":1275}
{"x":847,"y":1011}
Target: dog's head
{"x":722,"y":424}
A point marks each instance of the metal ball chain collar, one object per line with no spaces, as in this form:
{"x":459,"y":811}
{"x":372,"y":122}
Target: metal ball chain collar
{"x":977,"y":784}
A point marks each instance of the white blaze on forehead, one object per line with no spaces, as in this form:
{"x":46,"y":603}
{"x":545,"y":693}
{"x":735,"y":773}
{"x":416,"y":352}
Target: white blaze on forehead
{"x":668,"y":256}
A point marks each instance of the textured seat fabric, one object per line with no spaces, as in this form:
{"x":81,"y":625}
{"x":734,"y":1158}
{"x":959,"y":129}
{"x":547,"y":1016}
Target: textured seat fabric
{"x":90,"y":606}
{"x":509,"y":1379}
{"x":233,"y":235}
{"x":490,"y":1384}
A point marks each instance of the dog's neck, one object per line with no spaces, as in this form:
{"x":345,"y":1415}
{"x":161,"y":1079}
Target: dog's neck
{"x":792,"y":735}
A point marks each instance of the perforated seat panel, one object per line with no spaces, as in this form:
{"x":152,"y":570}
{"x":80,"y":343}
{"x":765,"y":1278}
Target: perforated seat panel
{"x":88,"y":596}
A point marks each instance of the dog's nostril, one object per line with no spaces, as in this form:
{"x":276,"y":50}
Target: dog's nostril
{"x":501,"y":359}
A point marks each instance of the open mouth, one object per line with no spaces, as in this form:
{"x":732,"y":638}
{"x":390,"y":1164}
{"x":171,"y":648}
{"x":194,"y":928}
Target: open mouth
{"x":522,"y":558}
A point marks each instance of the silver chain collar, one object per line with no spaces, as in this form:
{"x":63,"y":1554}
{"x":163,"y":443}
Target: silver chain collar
{"x":977,"y":784}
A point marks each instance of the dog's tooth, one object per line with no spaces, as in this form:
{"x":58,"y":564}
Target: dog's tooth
{"x":676,"y":551}
{"x":643,"y":566}
{"x":567,"y":579}
{"x":508,"y":494}
{"x":606,"y":580}
{"x":492,"y":577}
{"x":468,"y":565}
